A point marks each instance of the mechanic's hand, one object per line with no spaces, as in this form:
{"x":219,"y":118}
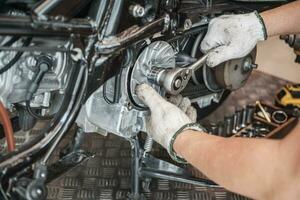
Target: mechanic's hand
{"x":232,"y":36}
{"x":166,"y":118}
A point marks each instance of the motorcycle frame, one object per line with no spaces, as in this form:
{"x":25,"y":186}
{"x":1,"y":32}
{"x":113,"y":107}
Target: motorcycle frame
{"x":103,"y":22}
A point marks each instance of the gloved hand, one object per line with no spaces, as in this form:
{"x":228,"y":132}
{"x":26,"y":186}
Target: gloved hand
{"x":232,"y":36}
{"x":166,"y":118}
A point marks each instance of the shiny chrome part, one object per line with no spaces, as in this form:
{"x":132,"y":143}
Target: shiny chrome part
{"x":157,"y":56}
{"x":174,"y":80}
{"x":187,"y":24}
{"x":248,"y":65}
{"x":279,"y":117}
{"x":199,"y":63}
{"x":137,"y":10}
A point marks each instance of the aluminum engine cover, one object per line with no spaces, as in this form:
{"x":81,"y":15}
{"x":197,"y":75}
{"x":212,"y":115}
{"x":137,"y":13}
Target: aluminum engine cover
{"x":127,"y":116}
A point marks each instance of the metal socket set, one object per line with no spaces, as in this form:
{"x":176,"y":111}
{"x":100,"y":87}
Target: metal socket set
{"x":253,"y":121}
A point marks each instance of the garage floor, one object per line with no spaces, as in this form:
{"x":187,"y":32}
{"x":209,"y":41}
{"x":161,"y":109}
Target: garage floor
{"x":107,"y":175}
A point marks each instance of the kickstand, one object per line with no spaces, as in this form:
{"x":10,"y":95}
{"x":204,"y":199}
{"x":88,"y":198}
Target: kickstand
{"x":144,"y":167}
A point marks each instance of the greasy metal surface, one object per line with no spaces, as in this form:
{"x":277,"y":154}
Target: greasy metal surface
{"x":107,"y":175}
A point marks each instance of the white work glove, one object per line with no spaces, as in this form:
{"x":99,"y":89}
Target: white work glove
{"x":232,"y":36}
{"x":167,"y":119}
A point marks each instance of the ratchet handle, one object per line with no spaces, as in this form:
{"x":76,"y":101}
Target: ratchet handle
{"x":199,"y":63}
{"x":174,"y":80}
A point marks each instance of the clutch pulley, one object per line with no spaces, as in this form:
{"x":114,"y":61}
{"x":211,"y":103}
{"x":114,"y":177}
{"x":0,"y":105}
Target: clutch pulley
{"x":230,"y":75}
{"x":157,"y":56}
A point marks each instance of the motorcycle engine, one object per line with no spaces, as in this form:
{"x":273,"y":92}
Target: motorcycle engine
{"x":115,"y":108}
{"x":16,"y":81}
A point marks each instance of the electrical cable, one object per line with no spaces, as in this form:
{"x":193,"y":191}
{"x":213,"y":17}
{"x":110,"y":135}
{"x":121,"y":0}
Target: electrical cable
{"x":36,"y":115}
{"x":117,"y":89}
{"x":15,"y":58}
{"x":8,"y":130}
{"x":107,"y":100}
{"x":44,"y":64}
{"x":80,"y":89}
{"x":11,"y":41}
{"x":117,"y":82}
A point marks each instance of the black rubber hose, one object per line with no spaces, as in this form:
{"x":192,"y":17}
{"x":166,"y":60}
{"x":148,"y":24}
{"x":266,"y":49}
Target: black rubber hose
{"x":15,"y":58}
{"x":11,"y":41}
{"x":107,"y":100}
{"x":44,"y":64}
{"x":66,"y":99}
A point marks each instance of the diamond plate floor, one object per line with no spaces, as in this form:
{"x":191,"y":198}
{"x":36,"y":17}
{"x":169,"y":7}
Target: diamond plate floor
{"x":107,"y":175}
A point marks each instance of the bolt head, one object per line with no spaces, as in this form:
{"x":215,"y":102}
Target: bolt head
{"x":39,"y":191}
{"x":177,"y":83}
{"x":141,"y":11}
{"x":137,"y":10}
{"x":187,"y":24}
{"x":43,"y":175}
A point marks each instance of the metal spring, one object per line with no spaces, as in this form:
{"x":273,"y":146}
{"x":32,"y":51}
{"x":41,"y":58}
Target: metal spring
{"x":148,"y":144}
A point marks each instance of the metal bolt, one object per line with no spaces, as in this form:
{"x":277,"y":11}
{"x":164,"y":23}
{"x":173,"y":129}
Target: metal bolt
{"x":177,"y":83}
{"x":137,"y":10}
{"x":254,"y":66}
{"x":187,"y":24}
{"x":248,"y":65}
{"x":186,"y":74}
{"x":39,"y":191}
{"x":43,"y":175}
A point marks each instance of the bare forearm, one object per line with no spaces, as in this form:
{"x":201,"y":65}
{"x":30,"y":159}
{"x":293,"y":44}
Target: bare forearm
{"x":247,"y":166}
{"x":283,"y":20}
